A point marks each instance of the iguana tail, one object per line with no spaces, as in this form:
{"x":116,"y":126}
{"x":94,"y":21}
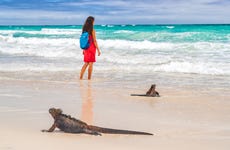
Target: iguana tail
{"x":116,"y":131}
{"x":139,"y":95}
{"x":154,"y":95}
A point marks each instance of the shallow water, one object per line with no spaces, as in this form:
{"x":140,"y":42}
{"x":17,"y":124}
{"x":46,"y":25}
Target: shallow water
{"x":182,"y":56}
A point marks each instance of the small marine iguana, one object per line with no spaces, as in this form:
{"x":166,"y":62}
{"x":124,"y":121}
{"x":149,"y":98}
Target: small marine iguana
{"x":69,"y":124}
{"x":150,"y":93}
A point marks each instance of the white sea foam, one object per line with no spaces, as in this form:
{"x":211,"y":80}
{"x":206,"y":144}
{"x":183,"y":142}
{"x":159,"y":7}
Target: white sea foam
{"x":160,"y":63}
{"x":135,"y":65}
{"x":44,"y":31}
{"x":38,"y":47}
{"x":192,"y":67}
{"x":170,"y":27}
{"x":146,"y":56}
{"x":124,"y":31}
{"x":125,"y":45}
{"x":133,"y":45}
{"x":60,"y":31}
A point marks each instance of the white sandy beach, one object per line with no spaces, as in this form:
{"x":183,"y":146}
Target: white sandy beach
{"x":184,"y":51}
{"x":179,"y":119}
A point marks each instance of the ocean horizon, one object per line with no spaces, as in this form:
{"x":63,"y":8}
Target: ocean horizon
{"x":151,"y":24}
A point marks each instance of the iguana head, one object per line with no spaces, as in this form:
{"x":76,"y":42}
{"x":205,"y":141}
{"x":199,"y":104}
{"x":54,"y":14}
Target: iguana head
{"x":55,"y":112}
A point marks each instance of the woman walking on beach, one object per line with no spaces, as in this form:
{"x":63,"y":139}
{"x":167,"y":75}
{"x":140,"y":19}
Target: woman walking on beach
{"x":89,"y":53}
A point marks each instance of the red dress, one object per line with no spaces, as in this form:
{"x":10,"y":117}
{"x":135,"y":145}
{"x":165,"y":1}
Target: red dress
{"x":89,"y":53}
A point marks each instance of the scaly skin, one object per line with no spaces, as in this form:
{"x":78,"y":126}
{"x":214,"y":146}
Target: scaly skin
{"x":71,"y":125}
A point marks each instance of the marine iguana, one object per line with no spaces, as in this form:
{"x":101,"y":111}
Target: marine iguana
{"x":69,"y":124}
{"x":150,"y":93}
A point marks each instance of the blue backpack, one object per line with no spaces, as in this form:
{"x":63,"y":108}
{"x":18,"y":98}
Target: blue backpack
{"x":84,"y":40}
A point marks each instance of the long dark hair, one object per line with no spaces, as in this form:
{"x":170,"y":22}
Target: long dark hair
{"x":88,"y":25}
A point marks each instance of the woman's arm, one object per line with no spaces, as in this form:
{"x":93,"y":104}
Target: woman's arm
{"x":95,"y":43}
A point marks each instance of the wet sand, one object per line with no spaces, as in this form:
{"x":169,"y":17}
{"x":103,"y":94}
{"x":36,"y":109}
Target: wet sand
{"x":179,"y":119}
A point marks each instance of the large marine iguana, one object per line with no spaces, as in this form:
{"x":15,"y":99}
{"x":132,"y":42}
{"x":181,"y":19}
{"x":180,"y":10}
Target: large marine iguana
{"x":69,"y":124}
{"x":150,"y":93}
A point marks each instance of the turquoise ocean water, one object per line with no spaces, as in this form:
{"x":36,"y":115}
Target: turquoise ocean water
{"x":189,"y":55}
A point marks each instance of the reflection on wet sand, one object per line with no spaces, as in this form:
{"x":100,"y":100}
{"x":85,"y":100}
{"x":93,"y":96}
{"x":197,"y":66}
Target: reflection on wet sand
{"x":87,"y":102}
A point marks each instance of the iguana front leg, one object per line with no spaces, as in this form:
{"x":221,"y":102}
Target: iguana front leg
{"x":51,"y":129}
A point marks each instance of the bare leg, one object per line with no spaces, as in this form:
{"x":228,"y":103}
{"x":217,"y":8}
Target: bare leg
{"x":90,"y":70}
{"x":83,"y":70}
